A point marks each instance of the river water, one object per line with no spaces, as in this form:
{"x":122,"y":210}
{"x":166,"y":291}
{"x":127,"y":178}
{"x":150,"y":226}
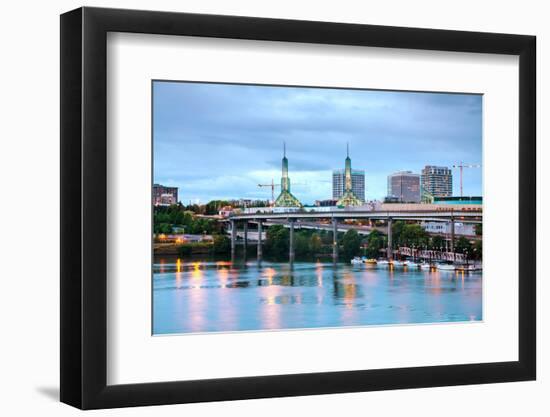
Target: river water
{"x":220,"y":296}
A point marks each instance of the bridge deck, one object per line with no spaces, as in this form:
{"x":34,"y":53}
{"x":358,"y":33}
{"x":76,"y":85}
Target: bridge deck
{"x":426,"y":215}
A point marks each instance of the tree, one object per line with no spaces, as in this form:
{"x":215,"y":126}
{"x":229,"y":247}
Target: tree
{"x":163,"y":228}
{"x":221,"y":244}
{"x":479,"y":229}
{"x":276,"y":243}
{"x":301,"y":244}
{"x":463,"y":245}
{"x":414,"y":235}
{"x":326,"y":237}
{"x":397,"y":230}
{"x":375,"y":241}
{"x":214,"y":206}
{"x":477,"y":249}
{"x":315,"y":244}
{"x":351,"y":243}
{"x":437,"y":243}
{"x":177,"y":215}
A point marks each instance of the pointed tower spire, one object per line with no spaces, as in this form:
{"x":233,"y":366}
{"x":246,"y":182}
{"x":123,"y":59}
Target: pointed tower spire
{"x":286,"y":199}
{"x":348,"y":198}
{"x":285,"y":182}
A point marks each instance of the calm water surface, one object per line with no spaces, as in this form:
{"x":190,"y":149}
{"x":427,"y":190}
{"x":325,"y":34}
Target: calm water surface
{"x":209,"y":296}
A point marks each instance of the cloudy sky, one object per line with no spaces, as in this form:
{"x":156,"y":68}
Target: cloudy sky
{"x":219,"y":141}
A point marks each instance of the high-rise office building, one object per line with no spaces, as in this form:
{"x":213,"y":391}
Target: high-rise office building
{"x":404,"y":186}
{"x":436,"y":182}
{"x":164,"y":196}
{"x":357,"y":183}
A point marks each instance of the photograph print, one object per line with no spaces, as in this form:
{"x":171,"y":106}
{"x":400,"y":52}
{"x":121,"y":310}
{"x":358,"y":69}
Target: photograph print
{"x":299,"y":207}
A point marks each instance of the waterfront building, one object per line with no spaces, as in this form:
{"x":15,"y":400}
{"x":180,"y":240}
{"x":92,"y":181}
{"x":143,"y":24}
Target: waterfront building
{"x":459,"y":200}
{"x":226,"y":211}
{"x":248,"y":202}
{"x":326,"y":203}
{"x":404,"y":187}
{"x":286,"y":199}
{"x":164,"y":196}
{"x":349,"y":198}
{"x":444,"y":228}
{"x":436,"y":182}
{"x":390,"y":199}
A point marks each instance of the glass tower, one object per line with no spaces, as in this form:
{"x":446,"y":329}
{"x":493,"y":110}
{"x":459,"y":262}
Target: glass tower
{"x":404,"y":186}
{"x":437,"y":181}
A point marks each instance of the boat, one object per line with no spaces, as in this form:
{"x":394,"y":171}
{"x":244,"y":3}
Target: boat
{"x":468,"y":268}
{"x":425,"y":266}
{"x":370,"y":261}
{"x":445,"y":267}
{"x":397,"y":263}
{"x":382,"y":262}
{"x":411,"y":264}
{"x":356,"y":261}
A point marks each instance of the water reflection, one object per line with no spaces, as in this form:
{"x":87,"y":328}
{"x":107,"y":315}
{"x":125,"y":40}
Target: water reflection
{"x":205,"y":296}
{"x":319,"y":273}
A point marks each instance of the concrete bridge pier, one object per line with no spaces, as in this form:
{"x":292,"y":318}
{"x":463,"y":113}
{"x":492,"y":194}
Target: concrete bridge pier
{"x":452,"y":234}
{"x":390,"y":243}
{"x":291,"y":241}
{"x":245,"y":237}
{"x":259,"y":240}
{"x":334,"y":240}
{"x":233,"y":237}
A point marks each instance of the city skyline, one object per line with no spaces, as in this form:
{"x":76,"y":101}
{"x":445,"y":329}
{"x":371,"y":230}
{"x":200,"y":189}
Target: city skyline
{"x":219,"y":141}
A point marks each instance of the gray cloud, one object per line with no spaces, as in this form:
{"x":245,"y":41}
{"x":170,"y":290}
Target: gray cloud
{"x":215,"y":140}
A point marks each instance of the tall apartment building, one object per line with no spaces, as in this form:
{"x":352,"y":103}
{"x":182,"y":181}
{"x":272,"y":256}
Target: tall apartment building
{"x":164,"y":196}
{"x":339,"y":183}
{"x":437,"y":181}
{"x":404,"y":187}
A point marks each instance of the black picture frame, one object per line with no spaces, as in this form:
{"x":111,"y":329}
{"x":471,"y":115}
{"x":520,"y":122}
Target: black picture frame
{"x":84,"y":207}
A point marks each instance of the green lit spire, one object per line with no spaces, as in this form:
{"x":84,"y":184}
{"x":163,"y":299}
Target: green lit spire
{"x":348,"y":170}
{"x":285,"y":181}
{"x":286,"y":199}
{"x":348,"y":198}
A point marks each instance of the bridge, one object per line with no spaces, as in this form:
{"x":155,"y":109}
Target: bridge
{"x":342,"y":227}
{"x":336,"y":217}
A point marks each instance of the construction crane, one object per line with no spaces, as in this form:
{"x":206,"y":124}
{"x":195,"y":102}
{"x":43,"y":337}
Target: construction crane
{"x":461,"y":165}
{"x":272,"y":185}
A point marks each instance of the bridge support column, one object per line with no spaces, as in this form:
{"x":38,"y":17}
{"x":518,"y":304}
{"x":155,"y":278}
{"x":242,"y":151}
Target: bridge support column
{"x":233,"y":237}
{"x":452,"y":234}
{"x":389,"y":252}
{"x":259,"y":240}
{"x":245,"y":232}
{"x":334,"y":240}
{"x":291,"y":242}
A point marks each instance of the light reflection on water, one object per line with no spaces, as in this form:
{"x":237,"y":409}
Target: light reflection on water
{"x":194,"y":296}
